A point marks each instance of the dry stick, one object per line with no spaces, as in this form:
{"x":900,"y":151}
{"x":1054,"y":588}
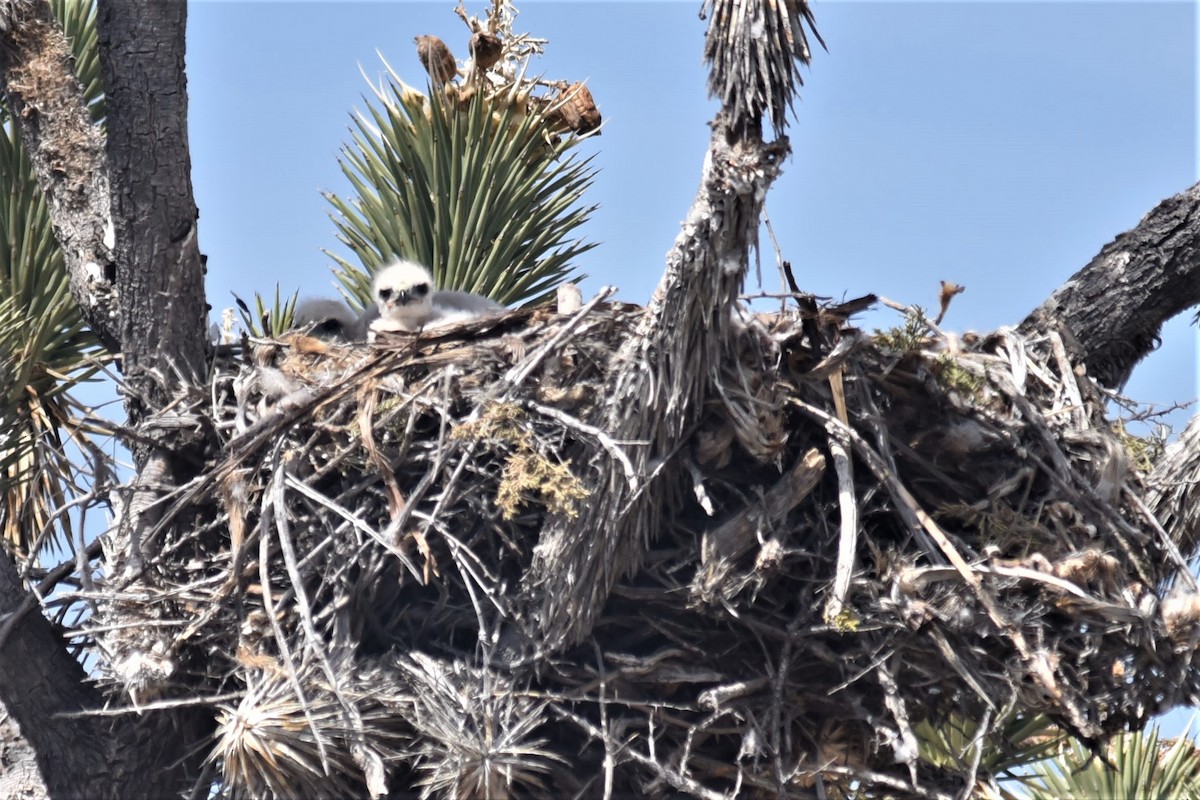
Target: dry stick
{"x":736,"y":536}
{"x":367,"y":399}
{"x":1185,"y":574}
{"x":519,"y":372}
{"x":952,"y":658}
{"x":470,"y":580}
{"x":916,"y":517}
{"x":780,"y":739}
{"x":610,"y":761}
{"x":1070,"y":383}
{"x":357,"y":522}
{"x":1083,"y":599}
{"x":157,"y":705}
{"x":675,"y":779}
{"x":906,"y":751}
{"x":372,"y":768}
{"x":883,"y":779}
{"x":848,"y":535}
{"x":47,"y":584}
{"x":605,"y":441}
{"x":1069,"y":477}
{"x":264,"y":575}
{"x":977,"y":756}
{"x":510,"y":383}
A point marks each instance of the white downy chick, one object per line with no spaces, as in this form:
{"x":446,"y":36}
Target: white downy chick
{"x":403,"y":293}
{"x":405,"y":300}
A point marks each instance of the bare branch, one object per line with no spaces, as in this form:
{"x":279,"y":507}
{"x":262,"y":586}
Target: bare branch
{"x":1112,"y":310}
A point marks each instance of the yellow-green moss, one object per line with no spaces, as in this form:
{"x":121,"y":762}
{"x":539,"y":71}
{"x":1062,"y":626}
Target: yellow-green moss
{"x":527,"y":473}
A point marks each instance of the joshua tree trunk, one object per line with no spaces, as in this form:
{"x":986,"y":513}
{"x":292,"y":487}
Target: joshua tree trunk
{"x":137,"y":275}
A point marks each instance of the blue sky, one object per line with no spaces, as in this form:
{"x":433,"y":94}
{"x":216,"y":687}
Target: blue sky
{"x":995,"y":144}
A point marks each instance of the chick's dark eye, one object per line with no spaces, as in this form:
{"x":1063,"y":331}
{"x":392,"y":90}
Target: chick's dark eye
{"x":420,"y":290}
{"x":385,"y":294}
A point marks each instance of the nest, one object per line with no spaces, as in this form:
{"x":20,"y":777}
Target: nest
{"x":946,"y":529}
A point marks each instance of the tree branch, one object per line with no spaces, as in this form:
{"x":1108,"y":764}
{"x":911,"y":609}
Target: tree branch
{"x":679,"y":356}
{"x":159,"y":272}
{"x":1112,"y":310}
{"x":39,"y":681}
{"x":67,"y":151}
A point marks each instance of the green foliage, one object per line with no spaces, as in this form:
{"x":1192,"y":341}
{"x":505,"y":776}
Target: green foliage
{"x":477,"y":187}
{"x":1143,"y":451}
{"x":956,"y":378}
{"x":954,"y":744}
{"x":268,"y":322}
{"x":910,"y":335}
{"x":1142,"y":767}
{"x":45,"y":349}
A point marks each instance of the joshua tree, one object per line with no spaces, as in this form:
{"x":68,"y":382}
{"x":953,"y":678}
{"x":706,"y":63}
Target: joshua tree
{"x":592,"y":550}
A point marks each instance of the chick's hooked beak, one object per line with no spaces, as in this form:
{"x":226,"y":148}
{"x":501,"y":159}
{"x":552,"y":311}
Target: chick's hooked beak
{"x":403,"y":297}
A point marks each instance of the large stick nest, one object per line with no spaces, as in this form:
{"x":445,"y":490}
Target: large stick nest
{"x":939,"y":529}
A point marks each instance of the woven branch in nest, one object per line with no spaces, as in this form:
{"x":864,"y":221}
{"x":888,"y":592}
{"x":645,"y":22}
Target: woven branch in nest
{"x":350,"y":569}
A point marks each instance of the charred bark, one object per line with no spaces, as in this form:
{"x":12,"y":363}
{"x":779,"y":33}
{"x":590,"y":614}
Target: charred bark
{"x":1112,"y":310}
{"x":39,"y":681}
{"x":136,"y":272}
{"x":159,"y":272}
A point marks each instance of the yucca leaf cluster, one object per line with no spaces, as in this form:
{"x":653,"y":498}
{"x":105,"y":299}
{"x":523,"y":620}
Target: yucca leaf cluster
{"x":477,"y":185}
{"x":1140,"y":765}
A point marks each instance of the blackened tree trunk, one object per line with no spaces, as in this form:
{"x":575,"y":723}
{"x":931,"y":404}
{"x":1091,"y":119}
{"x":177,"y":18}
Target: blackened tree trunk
{"x":39,"y":680}
{"x":159,"y":275}
{"x":130,"y":244}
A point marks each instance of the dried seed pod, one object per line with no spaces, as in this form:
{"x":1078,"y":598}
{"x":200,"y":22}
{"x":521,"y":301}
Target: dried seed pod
{"x":486,"y":50}
{"x":947,"y":293}
{"x":576,"y":109}
{"x":436,"y":57}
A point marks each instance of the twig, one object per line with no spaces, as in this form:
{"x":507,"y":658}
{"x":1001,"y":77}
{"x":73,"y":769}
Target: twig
{"x":848,"y":525}
{"x":736,"y":536}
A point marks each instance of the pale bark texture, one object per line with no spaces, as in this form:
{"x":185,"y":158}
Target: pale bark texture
{"x":680,"y":353}
{"x":48,"y":110}
{"x":686,"y":350}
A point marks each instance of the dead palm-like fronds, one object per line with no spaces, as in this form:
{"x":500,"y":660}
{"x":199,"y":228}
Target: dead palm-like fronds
{"x":753,"y":49}
{"x":477,"y":734}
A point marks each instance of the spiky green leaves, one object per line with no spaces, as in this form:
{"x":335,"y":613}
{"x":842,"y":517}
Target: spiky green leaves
{"x":45,"y":349}
{"x":1145,"y":768}
{"x":478,"y":187}
{"x":268,"y":320}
